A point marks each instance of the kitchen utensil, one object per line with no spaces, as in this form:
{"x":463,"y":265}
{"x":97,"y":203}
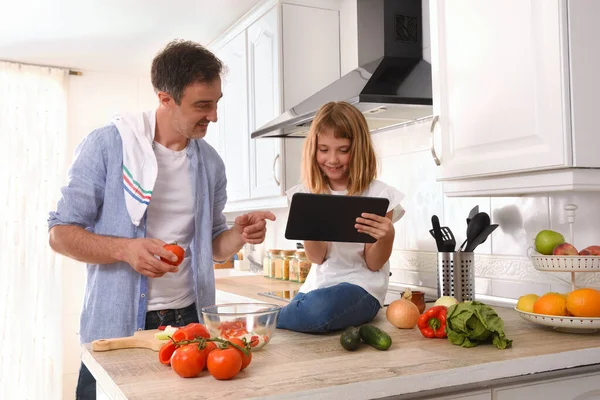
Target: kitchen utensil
{"x":140,"y":339}
{"x":481,"y":237}
{"x":475,"y":227}
{"x":456,"y":275}
{"x":437,"y":232}
{"x":255,"y":322}
{"x":474,"y":211}
{"x":448,"y":240}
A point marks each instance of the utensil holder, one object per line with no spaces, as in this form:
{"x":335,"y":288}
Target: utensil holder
{"x":456,"y":275}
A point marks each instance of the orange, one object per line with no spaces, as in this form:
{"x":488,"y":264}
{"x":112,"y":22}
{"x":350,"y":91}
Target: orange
{"x":584,"y":303}
{"x":551,"y":304}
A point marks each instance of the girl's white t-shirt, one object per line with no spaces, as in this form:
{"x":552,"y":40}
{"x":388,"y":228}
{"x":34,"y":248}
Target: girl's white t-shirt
{"x":345,"y":262}
{"x":171,"y":219}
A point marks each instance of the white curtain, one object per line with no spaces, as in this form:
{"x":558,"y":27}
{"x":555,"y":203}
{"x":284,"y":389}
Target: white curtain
{"x":33,"y":128}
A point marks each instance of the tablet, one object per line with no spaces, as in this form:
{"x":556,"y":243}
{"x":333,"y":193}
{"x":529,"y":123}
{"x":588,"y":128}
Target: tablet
{"x":331,"y":218}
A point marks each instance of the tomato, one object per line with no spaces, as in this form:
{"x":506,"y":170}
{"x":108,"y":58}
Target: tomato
{"x":254,"y":340}
{"x":165,"y":353}
{"x":246,"y":359}
{"x":188,"y":361}
{"x":224,"y":364}
{"x":231,"y":329}
{"x":210,"y":346}
{"x":175,"y":249}
{"x":195,"y":329}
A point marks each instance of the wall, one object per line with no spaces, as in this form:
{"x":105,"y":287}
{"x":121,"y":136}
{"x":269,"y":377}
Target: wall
{"x":93,"y":99}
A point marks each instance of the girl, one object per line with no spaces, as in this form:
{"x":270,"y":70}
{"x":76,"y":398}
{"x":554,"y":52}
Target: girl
{"x":347,"y":283}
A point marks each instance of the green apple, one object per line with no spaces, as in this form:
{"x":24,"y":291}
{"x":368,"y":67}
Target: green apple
{"x":547,"y":240}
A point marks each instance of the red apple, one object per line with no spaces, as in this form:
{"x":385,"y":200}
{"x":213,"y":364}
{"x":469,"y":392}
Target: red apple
{"x":590,"y":251}
{"x":565,"y":249}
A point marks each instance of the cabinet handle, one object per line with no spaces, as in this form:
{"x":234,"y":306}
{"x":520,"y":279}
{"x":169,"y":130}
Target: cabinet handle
{"x":274,"y":172}
{"x":436,"y":160}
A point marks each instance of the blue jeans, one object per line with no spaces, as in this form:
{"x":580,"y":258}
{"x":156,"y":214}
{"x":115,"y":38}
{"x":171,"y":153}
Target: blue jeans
{"x":86,"y":384}
{"x":329,"y":309}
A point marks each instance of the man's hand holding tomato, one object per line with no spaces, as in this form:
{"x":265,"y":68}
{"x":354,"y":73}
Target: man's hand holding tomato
{"x":142,"y":255}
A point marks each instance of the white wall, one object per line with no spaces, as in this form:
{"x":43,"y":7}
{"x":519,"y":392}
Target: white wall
{"x":93,"y":99}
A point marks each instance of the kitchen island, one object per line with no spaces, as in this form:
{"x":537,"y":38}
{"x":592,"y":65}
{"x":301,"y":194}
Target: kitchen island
{"x":542,"y":363}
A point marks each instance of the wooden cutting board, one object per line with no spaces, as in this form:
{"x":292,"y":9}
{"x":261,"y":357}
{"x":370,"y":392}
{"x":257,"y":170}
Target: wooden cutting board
{"x":140,"y":339}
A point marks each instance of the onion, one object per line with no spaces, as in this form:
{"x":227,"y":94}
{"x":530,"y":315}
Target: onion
{"x":446,"y":301}
{"x":402,"y":314}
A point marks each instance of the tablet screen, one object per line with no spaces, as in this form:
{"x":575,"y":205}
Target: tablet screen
{"x":331,"y":218}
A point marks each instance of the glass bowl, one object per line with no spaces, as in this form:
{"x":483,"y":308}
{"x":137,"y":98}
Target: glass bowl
{"x":254,"y":322}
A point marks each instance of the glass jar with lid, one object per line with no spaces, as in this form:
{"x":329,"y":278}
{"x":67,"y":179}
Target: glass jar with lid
{"x":287,"y":255}
{"x":304,"y":265}
{"x":266,"y":265}
{"x":294,"y":269}
{"x":276,"y":264}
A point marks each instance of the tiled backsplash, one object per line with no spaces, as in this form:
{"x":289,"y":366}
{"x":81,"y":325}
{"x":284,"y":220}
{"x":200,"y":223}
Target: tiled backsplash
{"x":502,"y":268}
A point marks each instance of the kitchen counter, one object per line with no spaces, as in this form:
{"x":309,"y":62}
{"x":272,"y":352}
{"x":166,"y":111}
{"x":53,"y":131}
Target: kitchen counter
{"x":302,"y":366}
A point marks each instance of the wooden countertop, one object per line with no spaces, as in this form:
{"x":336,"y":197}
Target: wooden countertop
{"x":302,"y":366}
{"x":250,"y":286}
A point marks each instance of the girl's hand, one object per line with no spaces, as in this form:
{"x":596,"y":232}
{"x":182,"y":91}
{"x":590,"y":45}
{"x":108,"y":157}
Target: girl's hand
{"x":374,"y":225}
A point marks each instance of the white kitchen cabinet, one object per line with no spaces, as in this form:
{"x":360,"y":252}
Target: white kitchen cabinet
{"x":586,"y":387}
{"x":233,"y":120}
{"x":265,"y":104}
{"x":284,"y":63}
{"x":213,"y":133}
{"x":513,"y":83}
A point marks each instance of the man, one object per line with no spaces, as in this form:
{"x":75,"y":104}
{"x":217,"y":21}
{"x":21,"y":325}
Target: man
{"x":143,"y":181}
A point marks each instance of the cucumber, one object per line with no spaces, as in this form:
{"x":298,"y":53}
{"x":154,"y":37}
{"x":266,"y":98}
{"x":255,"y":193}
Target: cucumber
{"x":373,"y":336}
{"x":350,"y":338}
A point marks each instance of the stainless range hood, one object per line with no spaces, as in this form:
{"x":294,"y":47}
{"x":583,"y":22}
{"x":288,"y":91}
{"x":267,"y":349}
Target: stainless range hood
{"x":391,"y":87}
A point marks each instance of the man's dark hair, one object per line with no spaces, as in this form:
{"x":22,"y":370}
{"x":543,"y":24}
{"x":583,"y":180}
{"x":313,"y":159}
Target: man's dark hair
{"x":182,"y":63}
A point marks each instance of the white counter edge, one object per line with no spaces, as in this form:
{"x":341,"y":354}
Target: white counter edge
{"x":108,"y":388}
{"x":448,"y":378}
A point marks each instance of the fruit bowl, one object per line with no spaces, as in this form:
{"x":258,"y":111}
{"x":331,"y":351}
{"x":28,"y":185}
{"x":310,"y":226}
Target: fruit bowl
{"x":566,"y":263}
{"x":254,"y":322}
{"x":562,"y":324}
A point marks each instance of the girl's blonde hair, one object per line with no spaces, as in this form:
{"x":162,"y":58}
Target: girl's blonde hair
{"x":344,"y":121}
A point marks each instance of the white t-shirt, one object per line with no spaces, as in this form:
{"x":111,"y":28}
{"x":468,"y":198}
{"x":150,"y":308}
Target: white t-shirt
{"x":345,"y":262}
{"x":171,"y":219}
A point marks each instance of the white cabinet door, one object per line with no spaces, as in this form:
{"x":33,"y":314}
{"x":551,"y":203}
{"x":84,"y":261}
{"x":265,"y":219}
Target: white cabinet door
{"x":213,"y":134}
{"x":577,"y":388}
{"x":233,"y":120}
{"x":499,"y":80}
{"x":265,"y":104}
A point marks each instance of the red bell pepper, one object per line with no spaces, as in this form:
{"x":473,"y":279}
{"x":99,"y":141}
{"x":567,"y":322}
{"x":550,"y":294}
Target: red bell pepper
{"x":432,"y":323}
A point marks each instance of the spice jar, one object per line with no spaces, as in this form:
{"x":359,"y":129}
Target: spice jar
{"x":287,"y":255}
{"x":304,"y":265}
{"x":276,"y":263}
{"x":266,"y":265}
{"x":294,"y":268}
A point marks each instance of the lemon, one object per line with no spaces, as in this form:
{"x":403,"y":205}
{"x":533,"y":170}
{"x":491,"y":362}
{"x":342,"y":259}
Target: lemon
{"x":525,"y":303}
